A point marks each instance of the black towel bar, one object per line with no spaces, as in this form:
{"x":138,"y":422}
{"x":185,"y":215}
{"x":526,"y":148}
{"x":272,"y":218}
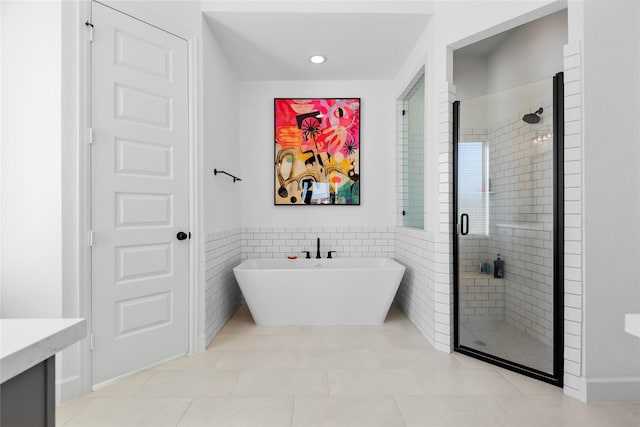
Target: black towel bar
{"x":235,"y":178}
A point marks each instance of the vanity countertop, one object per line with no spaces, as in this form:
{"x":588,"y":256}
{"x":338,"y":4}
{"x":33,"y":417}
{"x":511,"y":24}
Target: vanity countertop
{"x":632,"y":324}
{"x":27,"y":342}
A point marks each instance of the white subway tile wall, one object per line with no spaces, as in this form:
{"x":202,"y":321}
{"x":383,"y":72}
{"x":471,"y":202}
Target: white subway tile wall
{"x":222,"y":294}
{"x":416,"y":295}
{"x":573,"y":221}
{"x":413,"y":248}
{"x":348,"y":242}
{"x":521,"y":219}
{"x":443,"y":249}
{"x":481,"y":298}
{"x":473,"y":252}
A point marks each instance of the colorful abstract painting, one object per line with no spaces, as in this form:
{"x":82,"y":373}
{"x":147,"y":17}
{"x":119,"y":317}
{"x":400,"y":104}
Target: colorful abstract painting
{"x":317,"y":151}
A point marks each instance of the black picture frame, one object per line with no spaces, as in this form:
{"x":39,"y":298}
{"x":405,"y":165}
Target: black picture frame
{"x":317,"y":151}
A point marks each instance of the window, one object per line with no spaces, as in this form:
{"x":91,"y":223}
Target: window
{"x":473,"y":191}
{"x":412,"y":154}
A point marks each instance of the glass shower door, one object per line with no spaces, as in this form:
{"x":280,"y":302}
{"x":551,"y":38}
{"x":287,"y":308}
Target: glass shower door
{"x":506,"y":210}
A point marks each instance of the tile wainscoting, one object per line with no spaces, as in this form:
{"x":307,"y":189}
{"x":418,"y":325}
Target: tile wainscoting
{"x":222,"y":294}
{"x":348,"y":242}
{"x":416,"y":249}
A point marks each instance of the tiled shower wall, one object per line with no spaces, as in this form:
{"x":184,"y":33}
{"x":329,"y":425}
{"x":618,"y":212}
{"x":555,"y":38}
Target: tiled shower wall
{"x":473,"y":249}
{"x":222,"y":295}
{"x":520,"y":227}
{"x":481,"y":298}
{"x":521,"y":220}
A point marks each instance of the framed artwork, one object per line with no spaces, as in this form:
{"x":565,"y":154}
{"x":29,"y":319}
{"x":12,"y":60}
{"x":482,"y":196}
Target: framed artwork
{"x":317,"y":151}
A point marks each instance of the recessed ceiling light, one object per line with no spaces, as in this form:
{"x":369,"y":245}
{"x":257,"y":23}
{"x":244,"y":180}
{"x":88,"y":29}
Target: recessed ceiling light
{"x":317,"y":59}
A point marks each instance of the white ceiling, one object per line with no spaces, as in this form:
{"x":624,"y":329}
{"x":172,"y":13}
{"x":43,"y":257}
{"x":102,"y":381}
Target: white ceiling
{"x":277,"y":45}
{"x":485,"y":46}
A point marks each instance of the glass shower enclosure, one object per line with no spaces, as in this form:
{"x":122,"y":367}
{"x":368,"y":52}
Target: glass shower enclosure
{"x":508,"y":238}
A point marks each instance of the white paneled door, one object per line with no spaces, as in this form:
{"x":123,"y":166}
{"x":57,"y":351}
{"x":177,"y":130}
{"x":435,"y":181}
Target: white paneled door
{"x":140,"y":194}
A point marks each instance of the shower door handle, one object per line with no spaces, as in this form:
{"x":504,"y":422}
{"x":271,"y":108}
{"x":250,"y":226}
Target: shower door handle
{"x":464,"y":225}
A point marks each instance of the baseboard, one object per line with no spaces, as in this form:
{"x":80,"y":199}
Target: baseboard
{"x":202,"y":344}
{"x":617,"y":389}
{"x":68,"y":389}
{"x":574,"y":393}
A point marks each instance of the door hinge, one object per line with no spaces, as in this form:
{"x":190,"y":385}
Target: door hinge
{"x":90,"y":135}
{"x":90,"y":25}
{"x":91,"y":342}
{"x":90,"y":238}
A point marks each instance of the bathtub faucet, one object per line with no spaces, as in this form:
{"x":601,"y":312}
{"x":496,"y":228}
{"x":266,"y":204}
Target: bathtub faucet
{"x":318,"y":250}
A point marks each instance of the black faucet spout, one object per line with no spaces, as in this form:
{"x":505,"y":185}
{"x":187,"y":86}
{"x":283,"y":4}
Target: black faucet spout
{"x":318,"y":249}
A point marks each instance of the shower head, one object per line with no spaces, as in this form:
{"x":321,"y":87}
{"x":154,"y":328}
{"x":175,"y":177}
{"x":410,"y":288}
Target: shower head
{"x":534,"y":117}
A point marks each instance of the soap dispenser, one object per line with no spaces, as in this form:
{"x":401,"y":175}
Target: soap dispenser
{"x":498,"y":268}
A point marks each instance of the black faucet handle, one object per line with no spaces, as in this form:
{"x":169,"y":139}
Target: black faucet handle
{"x":308,"y":254}
{"x":331,"y":252}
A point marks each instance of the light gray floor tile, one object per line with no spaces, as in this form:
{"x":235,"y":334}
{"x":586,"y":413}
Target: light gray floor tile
{"x":373,"y":411}
{"x":385,"y":375}
{"x":239,"y":411}
{"x":272,"y":382}
{"x":130,"y":412}
{"x":373,"y":382}
{"x":471,"y":411}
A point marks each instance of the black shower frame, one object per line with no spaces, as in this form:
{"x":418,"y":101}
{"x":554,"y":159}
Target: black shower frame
{"x":556,"y":378}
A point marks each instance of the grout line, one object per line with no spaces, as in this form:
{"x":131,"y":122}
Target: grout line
{"x":185,"y":411}
{"x":293,"y":409}
{"x":395,"y":399}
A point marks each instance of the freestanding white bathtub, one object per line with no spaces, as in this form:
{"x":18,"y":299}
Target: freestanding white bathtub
{"x":340,"y":291}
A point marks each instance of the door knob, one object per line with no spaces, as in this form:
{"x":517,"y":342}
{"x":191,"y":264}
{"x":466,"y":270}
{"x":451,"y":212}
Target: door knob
{"x":181,"y":235}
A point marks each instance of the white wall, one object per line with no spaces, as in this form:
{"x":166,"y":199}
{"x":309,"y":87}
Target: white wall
{"x":220,"y":137}
{"x":377,"y":155}
{"x":181,"y":17}
{"x":220,"y":195}
{"x":31,"y":159}
{"x":532,"y":52}
{"x":612,"y":202}
{"x":469,"y":75}
{"x":528,"y":54}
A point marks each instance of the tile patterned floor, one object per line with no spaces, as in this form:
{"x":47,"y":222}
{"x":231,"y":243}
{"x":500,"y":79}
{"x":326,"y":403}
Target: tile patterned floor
{"x":368,"y":376}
